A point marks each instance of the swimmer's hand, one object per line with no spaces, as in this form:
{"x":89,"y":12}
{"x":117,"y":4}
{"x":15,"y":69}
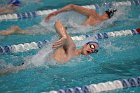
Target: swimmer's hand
{"x":17,"y":30}
{"x":51,"y":15}
{"x":59,"y":43}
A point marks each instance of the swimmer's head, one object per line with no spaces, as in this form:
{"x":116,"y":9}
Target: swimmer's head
{"x":90,"y":47}
{"x":14,"y":2}
{"x":110,"y":12}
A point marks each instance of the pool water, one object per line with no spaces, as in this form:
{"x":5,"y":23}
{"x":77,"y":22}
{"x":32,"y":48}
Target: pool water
{"x":118,"y":58}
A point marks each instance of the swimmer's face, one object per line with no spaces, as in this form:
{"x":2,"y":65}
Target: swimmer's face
{"x":89,"y":48}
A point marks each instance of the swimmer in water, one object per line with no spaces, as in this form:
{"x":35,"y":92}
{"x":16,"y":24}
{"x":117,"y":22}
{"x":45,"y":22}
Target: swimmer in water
{"x":10,"y":7}
{"x":13,"y":30}
{"x":65,"y":48}
{"x":93,"y":18}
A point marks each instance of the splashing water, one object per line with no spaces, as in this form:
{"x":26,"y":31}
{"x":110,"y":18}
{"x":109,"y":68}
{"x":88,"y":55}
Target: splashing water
{"x":73,"y":22}
{"x":44,"y":56}
{"x":9,"y":68}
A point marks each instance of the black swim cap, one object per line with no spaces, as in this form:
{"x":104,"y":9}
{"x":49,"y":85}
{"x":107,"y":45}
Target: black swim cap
{"x":110,"y":12}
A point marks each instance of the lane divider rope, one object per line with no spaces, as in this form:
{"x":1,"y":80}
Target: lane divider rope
{"x":110,"y":85}
{"x":25,"y":15}
{"x":36,"y":45}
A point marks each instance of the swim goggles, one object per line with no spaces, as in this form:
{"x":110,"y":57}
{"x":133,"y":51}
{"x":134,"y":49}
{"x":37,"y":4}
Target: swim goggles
{"x":92,"y":46}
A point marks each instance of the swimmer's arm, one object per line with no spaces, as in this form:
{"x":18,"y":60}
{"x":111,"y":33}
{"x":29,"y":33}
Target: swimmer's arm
{"x":2,"y":10}
{"x":65,"y":40}
{"x":61,"y":29}
{"x":23,"y":32}
{"x":6,"y":9}
{"x":62,"y":33}
{"x":10,"y":32}
{"x":18,"y":30}
{"x":6,"y":32}
{"x":79,"y":9}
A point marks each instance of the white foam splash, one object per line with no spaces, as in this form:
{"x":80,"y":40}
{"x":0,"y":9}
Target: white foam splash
{"x":41,"y":57}
{"x":73,"y":23}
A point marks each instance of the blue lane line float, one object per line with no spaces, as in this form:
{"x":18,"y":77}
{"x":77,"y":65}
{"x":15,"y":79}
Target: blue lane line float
{"x":1,"y":50}
{"x":7,"y":49}
{"x":100,"y":87}
{"x":46,"y":12}
{"x":36,"y":45}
